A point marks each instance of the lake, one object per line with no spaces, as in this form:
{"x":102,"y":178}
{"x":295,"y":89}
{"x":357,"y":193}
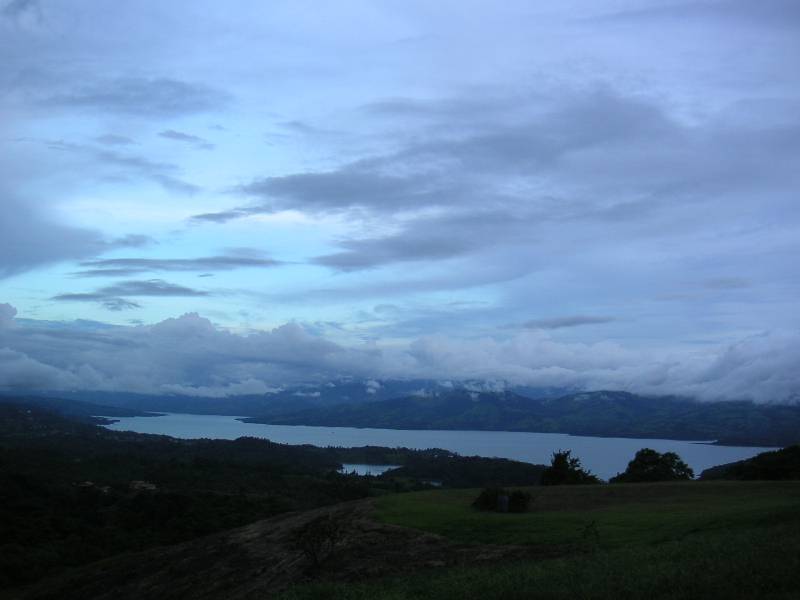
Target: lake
{"x":605,"y":457}
{"x":361,"y":469}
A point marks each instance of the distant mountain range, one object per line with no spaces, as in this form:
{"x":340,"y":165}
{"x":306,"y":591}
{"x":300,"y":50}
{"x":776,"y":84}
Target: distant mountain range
{"x":602,"y":413}
{"x":291,"y":399}
{"x":427,"y":404}
{"x":83,"y":411}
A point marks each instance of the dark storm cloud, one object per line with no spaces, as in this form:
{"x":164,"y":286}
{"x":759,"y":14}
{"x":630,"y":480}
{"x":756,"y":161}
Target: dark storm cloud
{"x":562,"y":322}
{"x":156,"y":97}
{"x":186,"y":138}
{"x":129,"y":266}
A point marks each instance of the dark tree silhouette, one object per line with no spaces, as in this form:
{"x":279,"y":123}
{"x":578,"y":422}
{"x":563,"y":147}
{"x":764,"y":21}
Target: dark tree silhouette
{"x":649,"y":465}
{"x":566,"y":469}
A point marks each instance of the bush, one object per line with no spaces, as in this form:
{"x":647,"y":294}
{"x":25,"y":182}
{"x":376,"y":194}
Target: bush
{"x":488,"y":498}
{"x":499,"y":500}
{"x":519,"y":501}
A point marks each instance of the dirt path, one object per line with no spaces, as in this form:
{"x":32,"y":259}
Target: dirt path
{"x":263,"y":558}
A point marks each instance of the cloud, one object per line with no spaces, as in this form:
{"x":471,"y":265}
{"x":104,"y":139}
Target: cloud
{"x":221,"y":216}
{"x":7,"y":314}
{"x":29,"y":238}
{"x":190,"y":355}
{"x":19,"y":371}
{"x":347,"y":188}
{"x":306,"y":129}
{"x":158,"y":172}
{"x":776,"y":13}
{"x":118,"y":304}
{"x":447,"y":236}
{"x":127,"y":165}
{"x":112,"y":296}
{"x":112,"y":139}
{"x":16,"y":9}
{"x":113,"y":267}
{"x":562,"y":322}
{"x":186,"y":138}
{"x":367,"y":253}
{"x":153,"y":97}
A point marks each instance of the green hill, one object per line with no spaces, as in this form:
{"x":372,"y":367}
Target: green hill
{"x":731,"y":540}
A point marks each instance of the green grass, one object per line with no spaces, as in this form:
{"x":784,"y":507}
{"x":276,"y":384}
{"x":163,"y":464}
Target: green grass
{"x":660,"y":541}
{"x":743,"y":565}
{"x":623,"y":514}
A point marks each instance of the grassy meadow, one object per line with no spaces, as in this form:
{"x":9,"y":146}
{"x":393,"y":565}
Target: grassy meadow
{"x":667,"y":540}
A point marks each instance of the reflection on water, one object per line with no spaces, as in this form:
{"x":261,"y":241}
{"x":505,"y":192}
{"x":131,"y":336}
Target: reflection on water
{"x":603,"y":456}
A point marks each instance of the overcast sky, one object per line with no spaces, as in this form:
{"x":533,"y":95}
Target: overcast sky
{"x":206,"y":197}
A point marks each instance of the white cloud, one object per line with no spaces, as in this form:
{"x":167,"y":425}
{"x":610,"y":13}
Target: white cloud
{"x":190,"y":355}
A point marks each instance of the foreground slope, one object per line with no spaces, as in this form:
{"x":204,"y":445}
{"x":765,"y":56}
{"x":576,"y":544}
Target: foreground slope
{"x":658,"y":541}
{"x":710,"y":540}
{"x":262,"y":559}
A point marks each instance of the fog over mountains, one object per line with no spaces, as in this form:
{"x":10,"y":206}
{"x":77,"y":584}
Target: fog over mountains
{"x":191,"y":356}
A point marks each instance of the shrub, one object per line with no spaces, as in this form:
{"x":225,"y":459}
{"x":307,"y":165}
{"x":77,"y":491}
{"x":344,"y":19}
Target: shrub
{"x":519,"y":501}
{"x":500,"y":500}
{"x":488,"y":498}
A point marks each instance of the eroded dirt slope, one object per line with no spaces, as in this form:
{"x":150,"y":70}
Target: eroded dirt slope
{"x":263,"y":558}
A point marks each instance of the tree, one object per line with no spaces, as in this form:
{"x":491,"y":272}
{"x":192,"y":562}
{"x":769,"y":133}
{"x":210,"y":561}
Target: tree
{"x":649,"y":465}
{"x":566,"y":469}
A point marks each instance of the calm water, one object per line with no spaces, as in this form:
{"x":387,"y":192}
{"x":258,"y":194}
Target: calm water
{"x":603,"y":456}
{"x":360,"y":469}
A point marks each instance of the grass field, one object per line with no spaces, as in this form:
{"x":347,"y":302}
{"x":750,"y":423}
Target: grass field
{"x":686,"y":540}
{"x":622,"y":514}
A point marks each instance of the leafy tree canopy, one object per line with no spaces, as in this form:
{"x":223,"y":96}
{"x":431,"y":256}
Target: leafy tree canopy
{"x":649,"y":465}
{"x":566,"y":469}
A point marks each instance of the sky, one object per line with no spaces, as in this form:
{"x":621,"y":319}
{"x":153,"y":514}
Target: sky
{"x":221,"y":198}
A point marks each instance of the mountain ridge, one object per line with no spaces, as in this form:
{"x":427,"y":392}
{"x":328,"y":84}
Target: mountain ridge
{"x":601,"y":413}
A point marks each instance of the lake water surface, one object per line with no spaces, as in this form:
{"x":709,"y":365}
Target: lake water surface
{"x":361,"y":469}
{"x":603,"y":456}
